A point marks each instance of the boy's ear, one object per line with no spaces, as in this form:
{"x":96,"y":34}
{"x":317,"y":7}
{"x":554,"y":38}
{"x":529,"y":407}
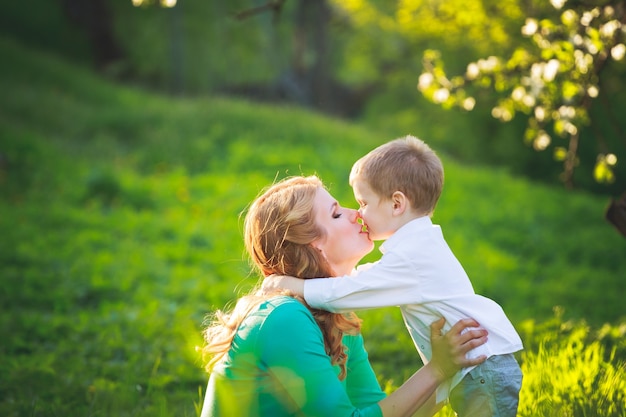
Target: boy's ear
{"x":400,"y":203}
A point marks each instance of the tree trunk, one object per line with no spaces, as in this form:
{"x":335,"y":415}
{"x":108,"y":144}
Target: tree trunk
{"x":95,"y":19}
{"x":310,"y":63}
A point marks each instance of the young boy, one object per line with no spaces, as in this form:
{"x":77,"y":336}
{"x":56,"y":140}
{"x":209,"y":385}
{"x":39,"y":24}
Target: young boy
{"x":397,"y":186}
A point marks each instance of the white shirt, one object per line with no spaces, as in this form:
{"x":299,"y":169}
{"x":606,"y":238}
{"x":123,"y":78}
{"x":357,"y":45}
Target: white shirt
{"x":419,"y":273}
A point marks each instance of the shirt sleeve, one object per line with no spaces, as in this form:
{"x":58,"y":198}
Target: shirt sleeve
{"x":292,"y":348}
{"x":361,"y":382}
{"x":392,"y":281}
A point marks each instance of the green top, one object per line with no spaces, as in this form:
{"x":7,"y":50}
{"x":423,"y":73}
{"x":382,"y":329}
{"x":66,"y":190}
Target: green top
{"x":277,"y":366}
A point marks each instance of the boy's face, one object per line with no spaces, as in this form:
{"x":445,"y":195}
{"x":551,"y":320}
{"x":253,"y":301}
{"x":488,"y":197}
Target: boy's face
{"x":376,"y":212}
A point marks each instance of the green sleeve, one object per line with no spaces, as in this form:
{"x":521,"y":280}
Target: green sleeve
{"x":291,"y":347}
{"x":361,"y":383}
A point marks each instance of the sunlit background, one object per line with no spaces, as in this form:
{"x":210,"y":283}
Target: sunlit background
{"x":133,"y":134}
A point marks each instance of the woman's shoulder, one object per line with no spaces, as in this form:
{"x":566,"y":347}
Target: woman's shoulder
{"x":281,"y":315}
{"x":283,"y":305}
{"x":274,"y":315}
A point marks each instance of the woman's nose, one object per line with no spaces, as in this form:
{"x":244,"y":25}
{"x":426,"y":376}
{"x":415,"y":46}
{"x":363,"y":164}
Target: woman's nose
{"x":356,"y":216}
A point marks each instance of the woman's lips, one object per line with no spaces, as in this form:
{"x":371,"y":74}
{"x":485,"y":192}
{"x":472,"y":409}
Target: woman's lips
{"x":365,"y":231}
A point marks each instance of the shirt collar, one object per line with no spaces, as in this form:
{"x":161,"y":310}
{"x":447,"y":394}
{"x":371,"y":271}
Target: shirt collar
{"x":412,"y":227}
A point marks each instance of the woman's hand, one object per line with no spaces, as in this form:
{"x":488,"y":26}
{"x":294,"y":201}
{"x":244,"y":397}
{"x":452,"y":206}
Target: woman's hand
{"x":449,"y":356}
{"x":450,"y":350}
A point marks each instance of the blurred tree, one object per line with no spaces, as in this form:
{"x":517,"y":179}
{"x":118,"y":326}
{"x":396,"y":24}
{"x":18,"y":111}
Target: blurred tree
{"x":95,"y":19}
{"x":385,"y":41}
{"x":45,"y":25}
{"x":308,"y":80}
{"x":310,"y":77}
{"x":345,"y":56}
{"x":385,"y":37}
{"x":176,"y":40}
{"x":570,"y":59}
{"x":616,"y":214}
{"x":274,"y":50}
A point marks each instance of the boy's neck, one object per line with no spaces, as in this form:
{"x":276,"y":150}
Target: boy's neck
{"x":406,"y":218}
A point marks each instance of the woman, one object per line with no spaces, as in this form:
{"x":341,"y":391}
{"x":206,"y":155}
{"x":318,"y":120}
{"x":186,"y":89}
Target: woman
{"x":273,"y":356}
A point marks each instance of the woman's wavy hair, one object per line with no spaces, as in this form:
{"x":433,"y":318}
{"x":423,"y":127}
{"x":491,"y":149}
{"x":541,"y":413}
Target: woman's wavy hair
{"x":279,"y":229}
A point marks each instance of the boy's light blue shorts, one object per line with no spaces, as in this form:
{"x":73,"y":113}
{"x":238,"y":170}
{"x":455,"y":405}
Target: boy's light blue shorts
{"x":489,"y":390}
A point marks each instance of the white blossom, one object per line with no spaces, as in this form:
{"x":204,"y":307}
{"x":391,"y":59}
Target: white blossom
{"x":469,"y":103}
{"x":472,"y":71}
{"x":441,"y":95}
{"x":570,"y":128}
{"x":567,"y":112}
{"x":425,"y":80}
{"x":542,"y":141}
{"x":618,"y":51}
{"x":609,"y":11}
{"x":577,"y":39}
{"x":586,"y":18}
{"x":540,"y":113}
{"x":611,"y":159}
{"x":518,"y":93}
{"x":551,"y":69}
{"x":530,"y":28}
{"x":528,"y":100}
{"x":608,"y":29}
{"x":536,"y":70}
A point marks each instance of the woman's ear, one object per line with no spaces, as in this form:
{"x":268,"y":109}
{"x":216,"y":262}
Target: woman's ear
{"x":400,"y":203}
{"x":318,"y":244}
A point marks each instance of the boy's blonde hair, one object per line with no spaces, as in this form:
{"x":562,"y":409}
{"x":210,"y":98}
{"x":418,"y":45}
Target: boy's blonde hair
{"x":405,"y":164}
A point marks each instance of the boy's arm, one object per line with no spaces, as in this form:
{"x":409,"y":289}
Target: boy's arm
{"x":282,"y":282}
{"x":389,"y":282}
{"x":392,"y":281}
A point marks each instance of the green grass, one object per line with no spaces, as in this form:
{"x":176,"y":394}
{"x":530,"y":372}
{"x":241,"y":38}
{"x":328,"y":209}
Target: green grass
{"x":121,"y":229}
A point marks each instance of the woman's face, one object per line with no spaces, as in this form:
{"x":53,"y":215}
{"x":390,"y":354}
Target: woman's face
{"x":344,"y":243}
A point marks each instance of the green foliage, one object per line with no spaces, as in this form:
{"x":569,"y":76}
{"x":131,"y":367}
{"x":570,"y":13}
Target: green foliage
{"x":385,"y":38}
{"x":204,"y":42}
{"x":570,"y":370}
{"x":375,"y":48}
{"x":120,"y":224}
{"x":42,"y":23}
{"x":554,"y":80}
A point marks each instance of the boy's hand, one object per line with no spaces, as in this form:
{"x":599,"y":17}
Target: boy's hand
{"x":282,"y":282}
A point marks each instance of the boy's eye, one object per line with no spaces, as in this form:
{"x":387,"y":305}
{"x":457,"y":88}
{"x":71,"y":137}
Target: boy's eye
{"x":336,"y":215}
